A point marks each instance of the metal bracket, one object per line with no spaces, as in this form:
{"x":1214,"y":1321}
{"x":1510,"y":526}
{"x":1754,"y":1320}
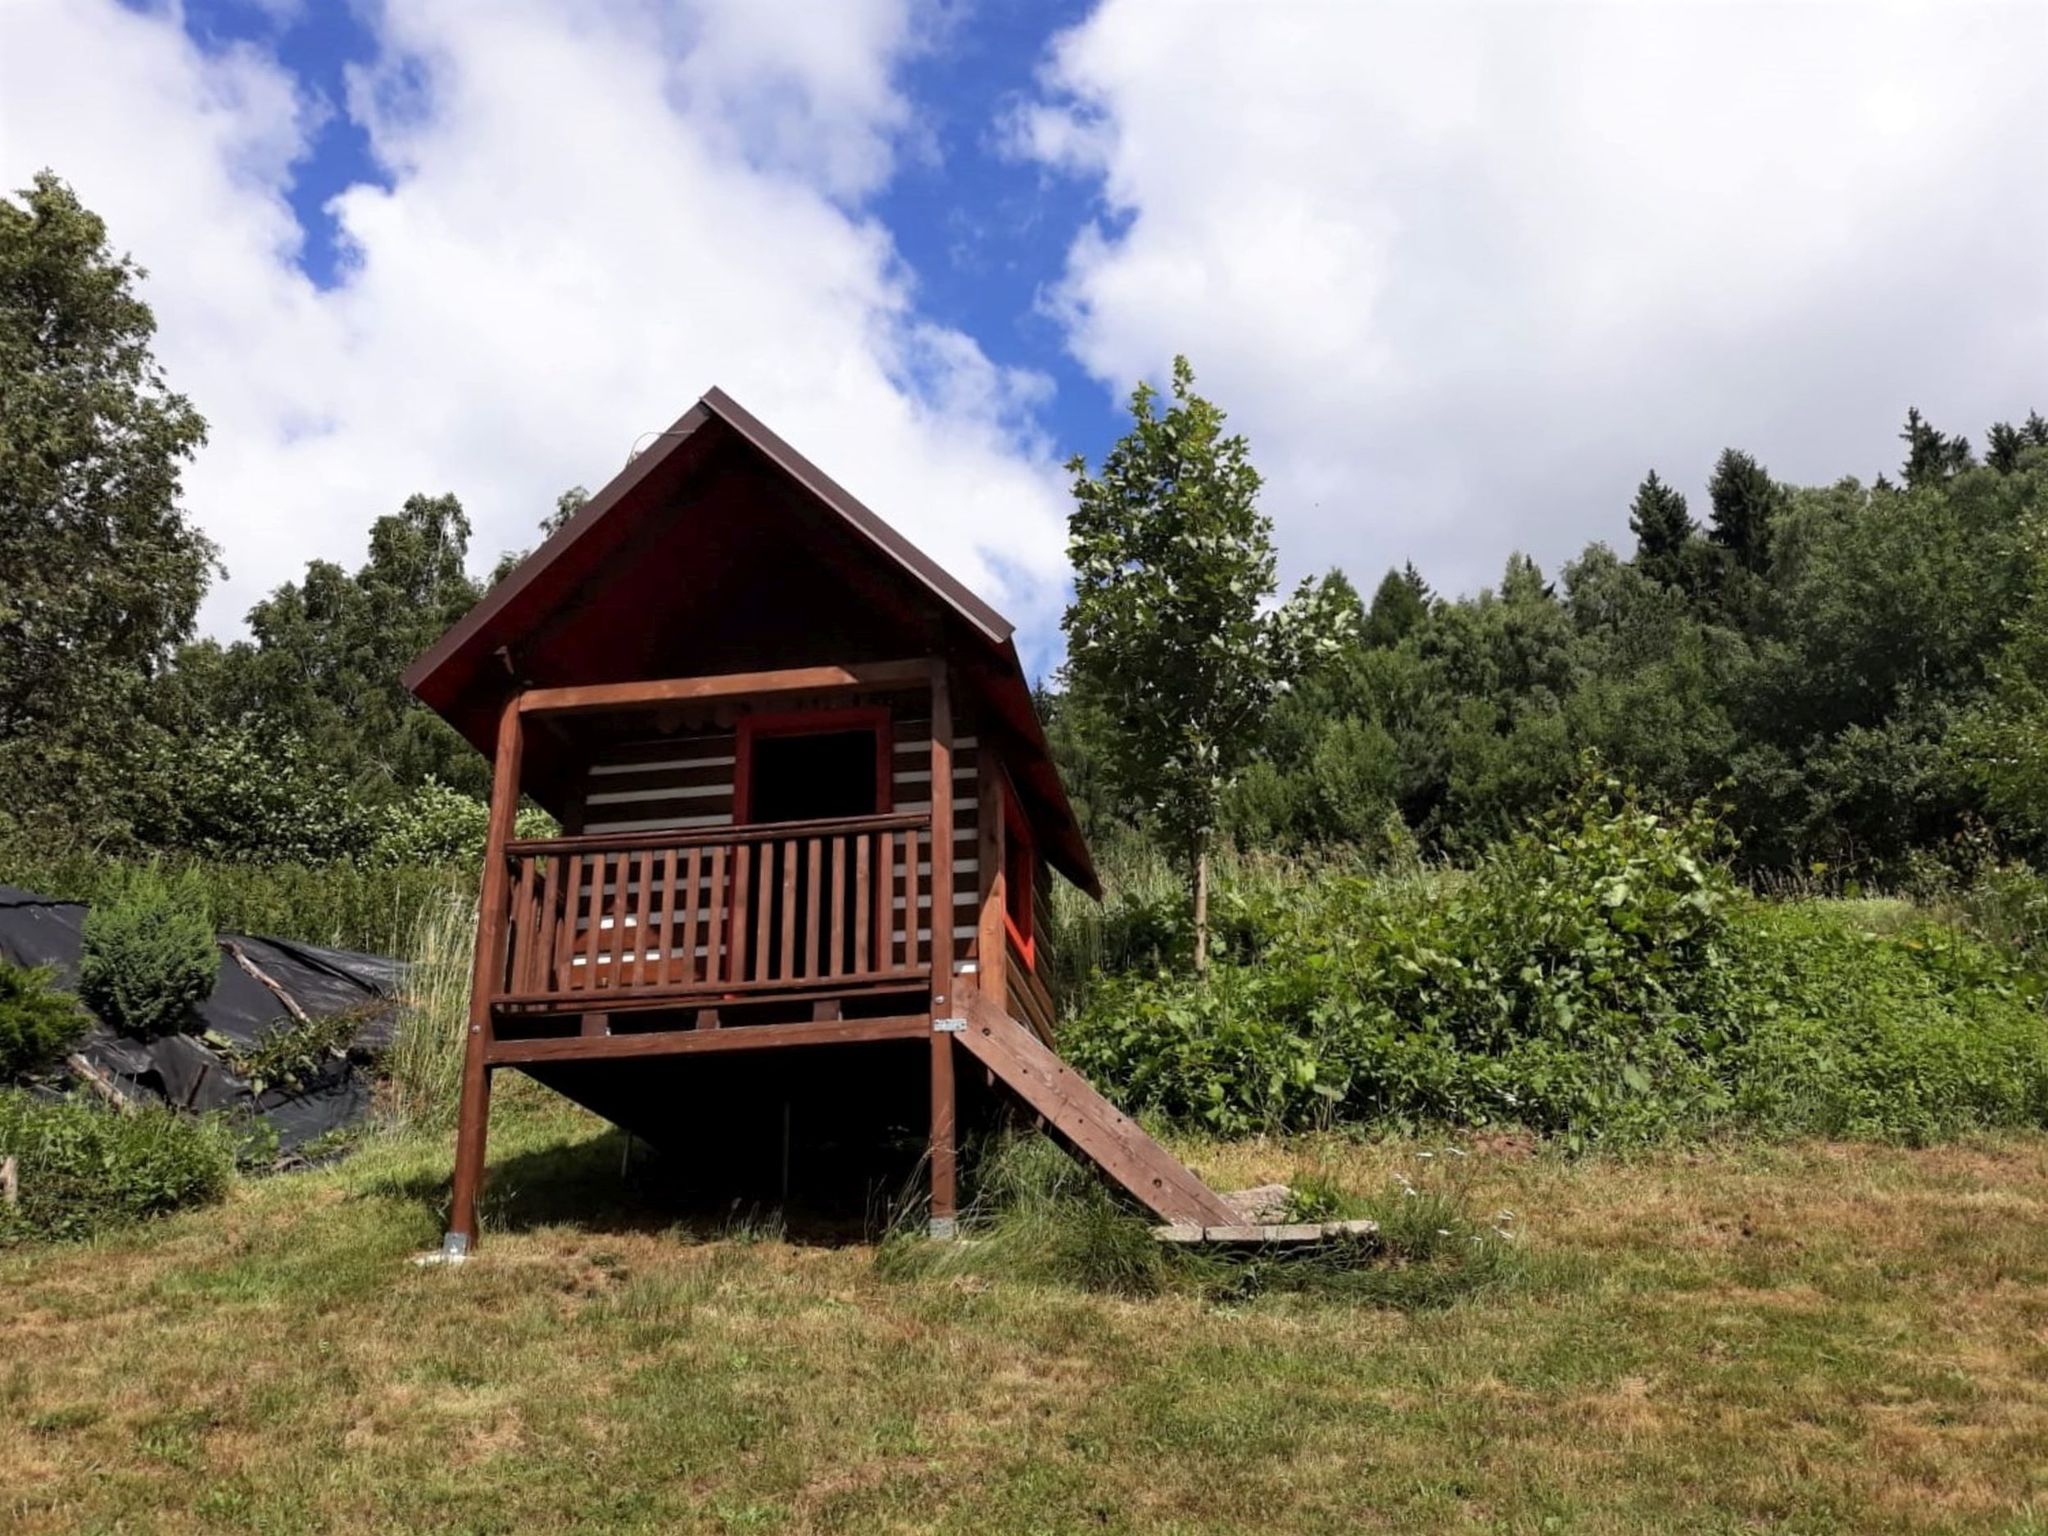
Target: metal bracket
{"x":455,"y":1246}
{"x":949,"y":1026}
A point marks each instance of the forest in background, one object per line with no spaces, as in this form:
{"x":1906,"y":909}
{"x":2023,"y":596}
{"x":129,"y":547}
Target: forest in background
{"x":1854,"y":672}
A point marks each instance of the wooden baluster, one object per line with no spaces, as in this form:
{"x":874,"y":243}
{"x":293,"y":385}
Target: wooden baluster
{"x":789,"y":863}
{"x":643,"y":925}
{"x":717,"y":955}
{"x":572,"y":913}
{"x":884,"y":913}
{"x":691,"y":897}
{"x":668,"y":916}
{"x":911,"y":854}
{"x":863,"y":912}
{"x":835,"y":957}
{"x":814,"y":942}
{"x":593,"y":936}
{"x":736,"y":950}
{"x":620,"y":902}
{"x":764,"y":901}
{"x":541,"y":973}
{"x":523,"y":924}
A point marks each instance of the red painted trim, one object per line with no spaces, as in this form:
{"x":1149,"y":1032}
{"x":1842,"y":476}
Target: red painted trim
{"x":1017,"y":836}
{"x":812,"y":722}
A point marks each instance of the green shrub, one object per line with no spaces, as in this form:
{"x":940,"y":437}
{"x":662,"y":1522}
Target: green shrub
{"x":149,"y":956}
{"x":1599,"y":978}
{"x":37,"y":1022}
{"x":82,"y":1168}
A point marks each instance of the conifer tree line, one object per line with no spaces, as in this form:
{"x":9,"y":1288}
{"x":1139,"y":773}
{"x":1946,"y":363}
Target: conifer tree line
{"x":1858,"y":671}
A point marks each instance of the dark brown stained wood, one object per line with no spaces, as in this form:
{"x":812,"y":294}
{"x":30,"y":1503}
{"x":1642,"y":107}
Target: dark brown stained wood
{"x":703,"y":837}
{"x":913,"y":855}
{"x":657,"y":692}
{"x":669,"y":897}
{"x":813,"y":940}
{"x":1030,"y":999}
{"x":621,"y":905}
{"x":944,"y":1150}
{"x":593,"y":934}
{"x":525,"y":923}
{"x":863,"y":913}
{"x":1095,"y":1127}
{"x":718,"y":962}
{"x":683,"y":1042}
{"x":789,"y":862}
{"x":764,"y":957}
{"x":554,"y":1004}
{"x":836,"y":956}
{"x":885,"y":899}
{"x":736,"y":946}
{"x":541,"y":975}
{"x":643,"y":923}
{"x":473,"y":1114}
{"x":565,"y":943}
{"x":991,"y":964}
{"x":942,"y":845}
{"x":691,"y":898}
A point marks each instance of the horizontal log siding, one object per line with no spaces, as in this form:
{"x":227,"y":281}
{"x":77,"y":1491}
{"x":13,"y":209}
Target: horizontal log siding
{"x":686,"y":780}
{"x":1029,"y":997}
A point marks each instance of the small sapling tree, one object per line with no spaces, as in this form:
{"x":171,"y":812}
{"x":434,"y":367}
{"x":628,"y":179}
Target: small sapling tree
{"x":1174,"y":652}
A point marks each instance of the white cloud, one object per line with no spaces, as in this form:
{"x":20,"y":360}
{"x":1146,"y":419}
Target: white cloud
{"x":1464,"y":272}
{"x":595,"y":211}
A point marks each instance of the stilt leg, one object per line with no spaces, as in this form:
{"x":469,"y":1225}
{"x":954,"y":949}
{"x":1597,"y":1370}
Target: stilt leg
{"x":471,"y":1128}
{"x":944,"y":1170}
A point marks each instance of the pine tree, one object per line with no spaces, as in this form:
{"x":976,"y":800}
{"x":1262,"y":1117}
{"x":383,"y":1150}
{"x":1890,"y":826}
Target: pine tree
{"x":1400,"y":604}
{"x":1745,"y":502}
{"x":2007,"y":442}
{"x":1931,"y":456}
{"x":1663,"y":527}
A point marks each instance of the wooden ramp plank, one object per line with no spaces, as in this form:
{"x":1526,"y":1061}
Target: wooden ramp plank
{"x":1096,"y":1128}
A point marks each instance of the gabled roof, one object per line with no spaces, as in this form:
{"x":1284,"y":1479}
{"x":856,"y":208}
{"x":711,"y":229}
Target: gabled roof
{"x":464,"y":674}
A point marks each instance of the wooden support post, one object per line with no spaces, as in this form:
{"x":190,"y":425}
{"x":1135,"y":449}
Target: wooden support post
{"x":493,"y":910}
{"x":945,"y":1196}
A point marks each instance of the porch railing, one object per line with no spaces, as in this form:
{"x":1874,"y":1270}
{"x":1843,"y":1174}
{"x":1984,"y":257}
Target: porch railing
{"x":644,"y":917}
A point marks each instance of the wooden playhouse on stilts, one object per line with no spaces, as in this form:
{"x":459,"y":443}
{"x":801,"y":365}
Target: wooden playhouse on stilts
{"x":809,"y":828}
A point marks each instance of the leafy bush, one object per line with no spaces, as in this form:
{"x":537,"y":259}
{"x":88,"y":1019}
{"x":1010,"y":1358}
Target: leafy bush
{"x":83,"y":1168}
{"x":1599,"y":978}
{"x":37,"y":1022}
{"x":149,"y":956}
{"x":437,"y":824}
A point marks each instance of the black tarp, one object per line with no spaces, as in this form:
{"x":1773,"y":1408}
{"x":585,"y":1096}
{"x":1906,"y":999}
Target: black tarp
{"x":184,"y":1069}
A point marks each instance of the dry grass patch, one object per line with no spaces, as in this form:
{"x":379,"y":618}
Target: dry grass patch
{"x":1810,"y":1338}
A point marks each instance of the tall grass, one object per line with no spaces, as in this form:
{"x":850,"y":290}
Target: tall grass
{"x":424,"y":1064}
{"x":340,"y":905}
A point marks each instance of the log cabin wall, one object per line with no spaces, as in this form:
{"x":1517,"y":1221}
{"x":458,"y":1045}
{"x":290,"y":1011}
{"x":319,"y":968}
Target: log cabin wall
{"x":684,"y":777}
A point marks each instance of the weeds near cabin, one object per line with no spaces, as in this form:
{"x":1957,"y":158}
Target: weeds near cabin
{"x":1034,"y":1214}
{"x":424,"y":1063}
{"x":1600,"y":979}
{"x":84,"y":1169}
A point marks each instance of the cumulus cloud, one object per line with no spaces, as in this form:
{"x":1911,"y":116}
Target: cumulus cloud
{"x":1464,"y":272}
{"x":588,"y":214}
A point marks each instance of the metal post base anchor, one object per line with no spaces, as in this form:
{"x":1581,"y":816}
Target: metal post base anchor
{"x":944,"y":1228}
{"x":455,"y":1247}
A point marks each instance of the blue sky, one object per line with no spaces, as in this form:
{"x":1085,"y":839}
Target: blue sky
{"x":1462,"y":271}
{"x":983,"y":232}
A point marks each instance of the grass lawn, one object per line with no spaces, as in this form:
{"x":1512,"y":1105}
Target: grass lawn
{"x":1812,"y":1338}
